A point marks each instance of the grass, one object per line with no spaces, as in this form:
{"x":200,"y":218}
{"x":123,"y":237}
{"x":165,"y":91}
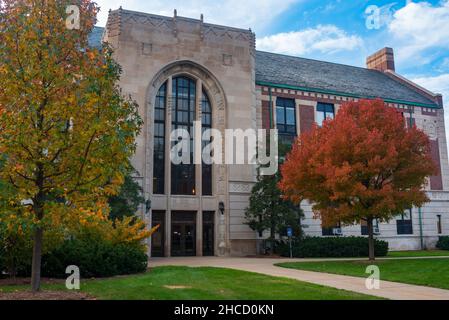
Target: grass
{"x":184,"y":283}
{"x":425,"y":272}
{"x":421,"y":253}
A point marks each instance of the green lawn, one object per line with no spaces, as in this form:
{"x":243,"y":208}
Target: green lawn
{"x":167,"y":283}
{"x":420,"y":253}
{"x":426,"y":272}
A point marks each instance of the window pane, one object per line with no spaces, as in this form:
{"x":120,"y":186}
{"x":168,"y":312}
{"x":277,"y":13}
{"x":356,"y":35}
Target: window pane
{"x":183,"y":176}
{"x":280,"y":115}
{"x":291,"y":116}
{"x":320,"y":118}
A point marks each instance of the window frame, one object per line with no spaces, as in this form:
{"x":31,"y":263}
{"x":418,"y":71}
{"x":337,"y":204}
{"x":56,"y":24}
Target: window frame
{"x":325,"y":111}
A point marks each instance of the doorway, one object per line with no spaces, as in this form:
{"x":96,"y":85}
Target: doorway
{"x":183,"y":229}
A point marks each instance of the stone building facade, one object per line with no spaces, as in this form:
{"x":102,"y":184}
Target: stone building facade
{"x":180,"y":70}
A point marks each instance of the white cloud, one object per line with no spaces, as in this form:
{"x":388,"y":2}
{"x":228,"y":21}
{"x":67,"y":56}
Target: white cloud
{"x":420,"y":26}
{"x":438,"y":84}
{"x":323,"y":38}
{"x":256,"y":14}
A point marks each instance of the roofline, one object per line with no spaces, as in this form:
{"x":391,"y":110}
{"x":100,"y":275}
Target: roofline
{"x":126,"y":11}
{"x":285,"y":86}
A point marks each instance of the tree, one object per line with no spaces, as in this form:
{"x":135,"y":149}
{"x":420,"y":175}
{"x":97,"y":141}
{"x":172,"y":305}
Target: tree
{"x":364,"y":165}
{"x":268,"y":210}
{"x":127,"y":201}
{"x":66,"y":131}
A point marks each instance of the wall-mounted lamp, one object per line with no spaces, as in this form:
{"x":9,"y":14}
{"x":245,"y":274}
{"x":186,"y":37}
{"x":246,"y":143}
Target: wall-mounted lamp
{"x":148,"y":205}
{"x":221,"y":207}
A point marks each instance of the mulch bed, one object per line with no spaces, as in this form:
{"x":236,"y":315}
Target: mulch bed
{"x":45,"y":295}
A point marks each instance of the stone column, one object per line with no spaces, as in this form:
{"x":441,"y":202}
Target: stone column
{"x":199,"y":173}
{"x":168,"y":129}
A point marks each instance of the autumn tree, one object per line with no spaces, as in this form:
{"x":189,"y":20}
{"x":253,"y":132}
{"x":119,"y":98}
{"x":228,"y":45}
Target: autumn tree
{"x":364,"y":165}
{"x":66,"y":131}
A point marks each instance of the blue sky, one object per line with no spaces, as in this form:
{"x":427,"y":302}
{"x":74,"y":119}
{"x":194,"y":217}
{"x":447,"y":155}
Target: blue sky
{"x":331,"y":30}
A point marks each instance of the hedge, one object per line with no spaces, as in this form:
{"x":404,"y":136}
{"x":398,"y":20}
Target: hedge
{"x":333,"y":247}
{"x":443,"y":243}
{"x":95,"y":258}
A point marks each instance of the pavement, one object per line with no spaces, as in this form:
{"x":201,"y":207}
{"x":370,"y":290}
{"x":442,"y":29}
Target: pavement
{"x":388,"y":289}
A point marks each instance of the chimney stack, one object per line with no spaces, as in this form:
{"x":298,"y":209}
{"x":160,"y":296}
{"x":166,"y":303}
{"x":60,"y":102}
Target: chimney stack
{"x":382,"y":60}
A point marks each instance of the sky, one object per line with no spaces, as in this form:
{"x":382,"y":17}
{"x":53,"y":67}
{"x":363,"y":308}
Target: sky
{"x":341,"y":31}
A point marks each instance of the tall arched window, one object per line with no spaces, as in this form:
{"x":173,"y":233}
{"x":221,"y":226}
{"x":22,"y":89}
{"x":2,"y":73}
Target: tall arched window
{"x":206,"y":122}
{"x":159,"y":141}
{"x":184,"y":102}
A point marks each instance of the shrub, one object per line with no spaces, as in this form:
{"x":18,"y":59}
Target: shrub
{"x":443,"y":243}
{"x":317,"y":247}
{"x":96,"y":258}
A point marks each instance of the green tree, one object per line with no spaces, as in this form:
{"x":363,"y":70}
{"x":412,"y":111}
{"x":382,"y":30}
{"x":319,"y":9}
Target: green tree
{"x":65,"y":128}
{"x":268,"y":210}
{"x":127,"y":201}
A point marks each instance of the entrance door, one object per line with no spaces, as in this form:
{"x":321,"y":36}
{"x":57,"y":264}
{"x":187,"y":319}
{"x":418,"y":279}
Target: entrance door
{"x":183,"y":240}
{"x":157,"y":239}
{"x":208,"y":233}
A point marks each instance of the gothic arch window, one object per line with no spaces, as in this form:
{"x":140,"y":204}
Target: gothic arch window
{"x":206,"y":122}
{"x":183,"y":115}
{"x":159,"y":141}
{"x":185,"y":106}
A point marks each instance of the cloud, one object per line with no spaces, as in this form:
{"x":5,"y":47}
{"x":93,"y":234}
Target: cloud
{"x":256,"y":14}
{"x":323,"y":38}
{"x":420,"y":26}
{"x":437,"y":84}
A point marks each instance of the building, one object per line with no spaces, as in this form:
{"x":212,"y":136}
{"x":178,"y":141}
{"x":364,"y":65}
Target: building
{"x":180,"y":69}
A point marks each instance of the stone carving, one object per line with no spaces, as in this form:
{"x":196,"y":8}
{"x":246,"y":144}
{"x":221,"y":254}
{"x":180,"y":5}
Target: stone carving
{"x":242,"y":187}
{"x":430,"y":129}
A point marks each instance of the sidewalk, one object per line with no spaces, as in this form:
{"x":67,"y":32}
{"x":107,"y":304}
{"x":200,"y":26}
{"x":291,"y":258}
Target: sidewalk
{"x":388,"y":289}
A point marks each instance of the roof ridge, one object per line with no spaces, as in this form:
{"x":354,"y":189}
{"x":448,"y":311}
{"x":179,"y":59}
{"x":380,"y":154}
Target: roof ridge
{"x":316,"y":60}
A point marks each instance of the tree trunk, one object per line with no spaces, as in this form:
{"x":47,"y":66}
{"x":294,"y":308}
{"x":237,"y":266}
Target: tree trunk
{"x":37,"y":258}
{"x":371,"y":239}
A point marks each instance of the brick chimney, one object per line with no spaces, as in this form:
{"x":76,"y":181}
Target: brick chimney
{"x":382,"y":60}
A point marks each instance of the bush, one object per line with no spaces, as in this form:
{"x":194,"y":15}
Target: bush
{"x":334,"y":247}
{"x":96,"y":258}
{"x":443,"y":243}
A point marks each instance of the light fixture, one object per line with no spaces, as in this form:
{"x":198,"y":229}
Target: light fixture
{"x":221,"y":207}
{"x":148,"y":205}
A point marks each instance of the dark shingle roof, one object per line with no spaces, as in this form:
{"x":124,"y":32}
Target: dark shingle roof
{"x":321,"y":76}
{"x":331,"y":77}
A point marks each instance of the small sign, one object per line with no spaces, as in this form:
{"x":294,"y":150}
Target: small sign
{"x":289,"y":232}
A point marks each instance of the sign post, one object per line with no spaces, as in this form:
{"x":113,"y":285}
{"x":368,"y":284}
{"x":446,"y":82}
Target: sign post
{"x":290,"y":234}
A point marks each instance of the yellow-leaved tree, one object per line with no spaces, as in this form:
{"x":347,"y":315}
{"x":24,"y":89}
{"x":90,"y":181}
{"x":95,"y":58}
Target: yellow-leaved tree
{"x":66,"y":131}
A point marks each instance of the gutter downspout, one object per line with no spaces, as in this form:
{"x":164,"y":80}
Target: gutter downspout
{"x":271,"y":108}
{"x":421,"y":228}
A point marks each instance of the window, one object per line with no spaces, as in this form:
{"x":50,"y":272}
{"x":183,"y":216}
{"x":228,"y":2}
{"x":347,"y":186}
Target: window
{"x":364,"y":227}
{"x":439,"y":224}
{"x":159,"y":141}
{"x":326,"y":231}
{"x":206,"y":120}
{"x":404,"y":224}
{"x":324,"y":111}
{"x":286,"y":120}
{"x":184,"y":101}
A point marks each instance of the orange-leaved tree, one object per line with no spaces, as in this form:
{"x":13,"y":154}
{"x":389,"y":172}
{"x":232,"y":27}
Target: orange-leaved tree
{"x":366,"y":164}
{"x":66,"y":131}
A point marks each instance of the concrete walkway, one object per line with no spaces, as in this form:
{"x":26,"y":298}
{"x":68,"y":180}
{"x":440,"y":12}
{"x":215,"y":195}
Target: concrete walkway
{"x":388,"y":289}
